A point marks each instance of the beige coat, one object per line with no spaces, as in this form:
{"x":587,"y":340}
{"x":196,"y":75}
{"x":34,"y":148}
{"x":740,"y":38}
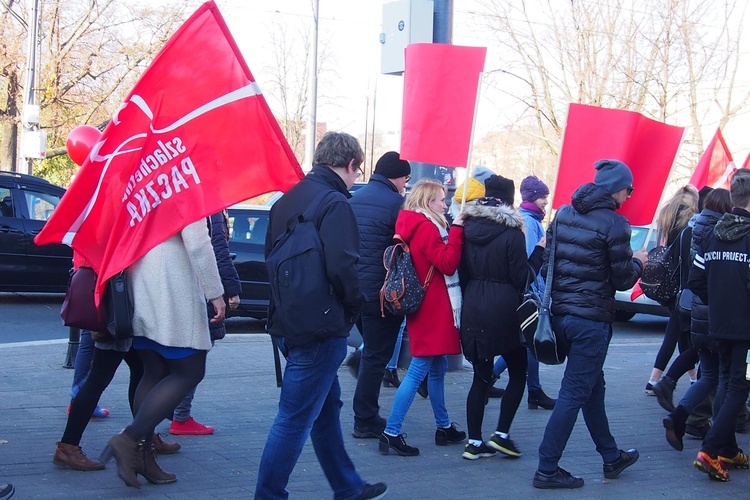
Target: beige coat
{"x":170,"y":285}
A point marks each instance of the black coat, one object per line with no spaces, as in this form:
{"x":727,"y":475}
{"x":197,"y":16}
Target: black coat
{"x":337,"y":228}
{"x":593,"y":256}
{"x":376,"y":207}
{"x":720,"y":276}
{"x":704,"y":225}
{"x":494,"y":271}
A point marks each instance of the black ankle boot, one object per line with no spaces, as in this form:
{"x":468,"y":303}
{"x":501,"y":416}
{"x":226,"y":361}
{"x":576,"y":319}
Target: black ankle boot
{"x":538,"y":398}
{"x":445,"y":435}
{"x":674,"y":423}
{"x":396,"y":444}
{"x":390,"y":379}
{"x":664,"y":392}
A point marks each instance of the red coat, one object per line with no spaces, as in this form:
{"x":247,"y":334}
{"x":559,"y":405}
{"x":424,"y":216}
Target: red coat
{"x":431,"y":329}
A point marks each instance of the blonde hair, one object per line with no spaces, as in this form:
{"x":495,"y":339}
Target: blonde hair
{"x":677,"y":211}
{"x":422,"y":194}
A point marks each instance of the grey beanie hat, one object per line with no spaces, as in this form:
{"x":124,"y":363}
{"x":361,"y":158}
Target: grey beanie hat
{"x":481,"y":173}
{"x":612,"y":175}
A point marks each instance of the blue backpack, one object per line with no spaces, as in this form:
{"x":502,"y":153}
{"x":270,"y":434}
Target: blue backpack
{"x":304,"y":305}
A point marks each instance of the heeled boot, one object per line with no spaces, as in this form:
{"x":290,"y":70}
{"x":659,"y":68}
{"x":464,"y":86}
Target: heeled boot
{"x":148,"y":467}
{"x":124,"y":450}
{"x":390,"y":379}
{"x":538,"y":398}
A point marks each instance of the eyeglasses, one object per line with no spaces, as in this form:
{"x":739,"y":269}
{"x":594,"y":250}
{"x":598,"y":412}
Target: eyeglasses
{"x":630,"y":190}
{"x":360,"y":172}
{"x":408,"y":178}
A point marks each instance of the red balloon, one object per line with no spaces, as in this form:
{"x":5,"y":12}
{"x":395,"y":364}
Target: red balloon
{"x":81,"y":141}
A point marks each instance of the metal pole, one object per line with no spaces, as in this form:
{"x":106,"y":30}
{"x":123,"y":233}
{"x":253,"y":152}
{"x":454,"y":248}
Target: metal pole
{"x":29,"y":91}
{"x":312,"y":93}
{"x":442,"y":21}
{"x":74,"y":339}
{"x":372,"y":142}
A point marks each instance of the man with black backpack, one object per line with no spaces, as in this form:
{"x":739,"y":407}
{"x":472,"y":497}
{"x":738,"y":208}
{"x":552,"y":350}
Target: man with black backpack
{"x":312,"y":248}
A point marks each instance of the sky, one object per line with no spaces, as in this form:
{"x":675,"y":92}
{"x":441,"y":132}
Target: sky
{"x":351,"y":30}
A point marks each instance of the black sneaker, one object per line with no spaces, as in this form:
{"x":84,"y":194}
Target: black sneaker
{"x":649,"y":391}
{"x":445,"y":435}
{"x":504,"y":445}
{"x":627,"y":458}
{"x":372,"y":491}
{"x":369,"y":431}
{"x":472,"y":452}
{"x":396,"y":444}
{"x":558,"y":479}
{"x":697,"y":431}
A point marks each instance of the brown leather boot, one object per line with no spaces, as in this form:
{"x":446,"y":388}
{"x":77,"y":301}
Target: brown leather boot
{"x":147,"y":466}
{"x":124,"y":449}
{"x":163,"y":448}
{"x":73,"y":457}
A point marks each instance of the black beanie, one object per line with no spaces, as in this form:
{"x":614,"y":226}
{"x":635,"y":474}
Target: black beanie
{"x":497,"y":186}
{"x":390,"y":165}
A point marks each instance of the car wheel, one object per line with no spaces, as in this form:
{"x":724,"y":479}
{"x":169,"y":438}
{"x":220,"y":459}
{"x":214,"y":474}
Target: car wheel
{"x":623,"y":315}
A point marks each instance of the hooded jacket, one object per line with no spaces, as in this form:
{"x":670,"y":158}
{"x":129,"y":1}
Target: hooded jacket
{"x":720,"y":276}
{"x":593,"y":257}
{"x":376,"y":207}
{"x":704,"y":225}
{"x":494,"y":272}
{"x":431,"y":329}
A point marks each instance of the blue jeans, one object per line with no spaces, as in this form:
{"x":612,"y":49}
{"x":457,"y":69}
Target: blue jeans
{"x":532,"y":377}
{"x":582,"y":388}
{"x":419,"y":367}
{"x":708,"y":381}
{"x":393,"y":363}
{"x":82,"y":363}
{"x":310,"y":405}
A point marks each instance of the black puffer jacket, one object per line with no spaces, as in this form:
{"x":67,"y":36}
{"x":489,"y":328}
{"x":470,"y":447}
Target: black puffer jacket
{"x":494,"y":271}
{"x":593,"y":256}
{"x":376,"y":207}
{"x":704,"y":224}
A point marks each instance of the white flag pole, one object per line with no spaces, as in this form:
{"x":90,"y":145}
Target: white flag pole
{"x":471,"y":142}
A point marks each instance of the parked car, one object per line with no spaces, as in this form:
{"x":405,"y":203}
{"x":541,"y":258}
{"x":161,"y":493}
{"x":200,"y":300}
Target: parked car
{"x":626,"y":308}
{"x":26,"y":203}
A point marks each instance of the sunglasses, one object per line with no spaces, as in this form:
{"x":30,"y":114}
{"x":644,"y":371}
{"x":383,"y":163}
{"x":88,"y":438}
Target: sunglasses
{"x":630,"y":190}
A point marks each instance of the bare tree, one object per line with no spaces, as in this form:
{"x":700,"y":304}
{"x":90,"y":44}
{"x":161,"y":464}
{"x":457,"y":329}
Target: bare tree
{"x":673,"y":61}
{"x":92,"y":52}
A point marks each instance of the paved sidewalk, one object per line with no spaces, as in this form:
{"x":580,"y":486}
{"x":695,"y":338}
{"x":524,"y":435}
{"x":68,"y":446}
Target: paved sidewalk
{"x":239,"y":398}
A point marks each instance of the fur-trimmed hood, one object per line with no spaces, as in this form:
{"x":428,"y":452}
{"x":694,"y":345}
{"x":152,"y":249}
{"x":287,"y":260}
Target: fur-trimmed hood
{"x":484,"y":223}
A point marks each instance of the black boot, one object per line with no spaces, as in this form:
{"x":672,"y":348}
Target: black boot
{"x":390,"y":378}
{"x":538,"y":398}
{"x":674,"y":423}
{"x":664,"y":392}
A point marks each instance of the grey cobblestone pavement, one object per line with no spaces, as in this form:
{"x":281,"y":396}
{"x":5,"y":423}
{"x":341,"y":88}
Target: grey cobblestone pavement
{"x":239,"y":398}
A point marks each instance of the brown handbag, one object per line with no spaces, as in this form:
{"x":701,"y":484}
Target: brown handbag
{"x":78,"y":309}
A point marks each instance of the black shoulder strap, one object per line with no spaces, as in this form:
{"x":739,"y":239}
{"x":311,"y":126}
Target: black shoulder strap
{"x":317,"y":202}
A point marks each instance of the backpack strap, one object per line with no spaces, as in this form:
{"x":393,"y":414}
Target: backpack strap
{"x":311,"y":211}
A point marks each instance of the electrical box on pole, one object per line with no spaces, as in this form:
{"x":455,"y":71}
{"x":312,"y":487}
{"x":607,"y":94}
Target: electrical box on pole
{"x":404,"y":22}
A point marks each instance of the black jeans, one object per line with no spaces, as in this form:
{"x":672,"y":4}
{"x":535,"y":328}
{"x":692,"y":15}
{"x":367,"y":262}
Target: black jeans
{"x":379,"y":335}
{"x":721,"y":439}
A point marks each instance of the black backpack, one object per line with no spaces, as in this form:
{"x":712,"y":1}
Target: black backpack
{"x":304,"y":305}
{"x":402,"y":293}
{"x":660,"y":280}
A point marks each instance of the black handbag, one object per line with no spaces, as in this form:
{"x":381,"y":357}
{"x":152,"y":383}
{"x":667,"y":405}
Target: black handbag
{"x":549,"y":347}
{"x":78,"y":310}
{"x":120,"y":307}
{"x":528,"y":314}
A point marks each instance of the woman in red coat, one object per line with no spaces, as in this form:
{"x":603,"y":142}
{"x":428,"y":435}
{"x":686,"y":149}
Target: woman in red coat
{"x":433,"y":329}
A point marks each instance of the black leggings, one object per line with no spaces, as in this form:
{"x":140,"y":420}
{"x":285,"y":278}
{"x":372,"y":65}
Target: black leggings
{"x":673,"y":336}
{"x":164,"y":384}
{"x":475,"y":402}
{"x":103,"y":368}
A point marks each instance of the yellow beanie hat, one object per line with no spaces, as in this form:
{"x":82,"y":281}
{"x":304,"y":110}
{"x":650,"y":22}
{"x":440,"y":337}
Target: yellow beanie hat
{"x":474,"y":191}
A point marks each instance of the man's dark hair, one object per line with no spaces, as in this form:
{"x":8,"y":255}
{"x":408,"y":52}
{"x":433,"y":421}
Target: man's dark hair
{"x":718,"y":200}
{"x":739,"y":189}
{"x":337,"y":149}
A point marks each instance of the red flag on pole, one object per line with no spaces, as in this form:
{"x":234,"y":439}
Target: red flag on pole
{"x":716,"y":166}
{"x":441,"y":82}
{"x":746,"y":163}
{"x":647,"y":146}
{"x":194,"y":136}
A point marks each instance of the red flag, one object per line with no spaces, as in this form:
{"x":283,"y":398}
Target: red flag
{"x":648,"y":147}
{"x":746,"y":164}
{"x":441,"y":82}
{"x":194,"y":136}
{"x":637,"y":291}
{"x":716,"y":166}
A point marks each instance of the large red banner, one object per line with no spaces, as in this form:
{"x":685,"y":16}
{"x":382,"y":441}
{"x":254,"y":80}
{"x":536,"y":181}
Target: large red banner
{"x":441,"y":82}
{"x":715,"y":168}
{"x":647,"y":146}
{"x":194,"y":136}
